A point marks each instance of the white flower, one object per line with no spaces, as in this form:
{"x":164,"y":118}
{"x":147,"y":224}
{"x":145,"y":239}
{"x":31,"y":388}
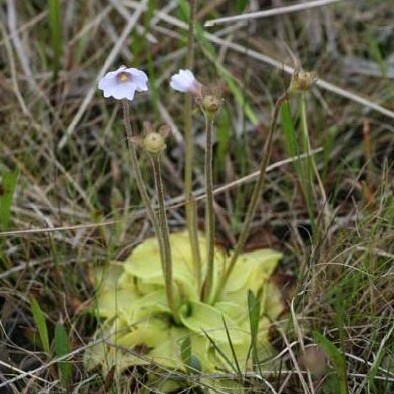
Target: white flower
{"x":122,"y":83}
{"x":184,"y":82}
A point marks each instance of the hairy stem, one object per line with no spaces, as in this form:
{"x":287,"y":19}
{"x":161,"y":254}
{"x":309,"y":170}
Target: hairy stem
{"x":209,"y":212}
{"x":257,"y":192}
{"x":190,"y":208}
{"x":136,"y":169}
{"x":157,"y":223}
{"x":190,"y":34}
{"x":164,"y":233}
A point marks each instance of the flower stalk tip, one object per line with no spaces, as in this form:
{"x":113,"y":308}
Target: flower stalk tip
{"x":154,"y":142}
{"x":301,"y":81}
{"x":210,"y":105}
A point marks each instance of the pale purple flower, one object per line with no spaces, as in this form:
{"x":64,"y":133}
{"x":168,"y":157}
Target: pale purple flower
{"x":123,"y":83}
{"x":184,"y":81}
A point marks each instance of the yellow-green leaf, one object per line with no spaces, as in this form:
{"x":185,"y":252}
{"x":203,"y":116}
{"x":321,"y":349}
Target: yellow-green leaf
{"x":203,"y":318}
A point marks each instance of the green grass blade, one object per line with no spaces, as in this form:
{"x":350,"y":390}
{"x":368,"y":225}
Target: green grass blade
{"x":220,"y":352}
{"x":234,"y":354}
{"x":288,"y":129}
{"x":7,"y":188}
{"x":55,"y":27}
{"x":383,"y":349}
{"x":304,"y":168}
{"x":290,"y":134}
{"x":337,"y":359}
{"x":184,"y":11}
{"x":237,"y":93}
{"x":307,"y":164}
{"x":62,"y":348}
{"x":39,"y":320}
{"x":223,"y":139}
{"x":240,"y":5}
{"x":254,"y":309}
{"x":376,"y":54}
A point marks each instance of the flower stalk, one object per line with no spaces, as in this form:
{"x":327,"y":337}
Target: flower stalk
{"x":136,"y":169}
{"x":164,"y":233}
{"x":209,"y":211}
{"x":257,"y":191}
{"x":159,"y":225}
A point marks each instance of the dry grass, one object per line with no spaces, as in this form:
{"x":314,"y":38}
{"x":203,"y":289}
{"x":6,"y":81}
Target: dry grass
{"x":76,"y":204}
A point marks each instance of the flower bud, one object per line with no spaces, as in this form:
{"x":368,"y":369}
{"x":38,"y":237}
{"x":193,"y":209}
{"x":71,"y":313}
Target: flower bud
{"x":154,"y":143}
{"x":301,"y":81}
{"x":211,"y":104}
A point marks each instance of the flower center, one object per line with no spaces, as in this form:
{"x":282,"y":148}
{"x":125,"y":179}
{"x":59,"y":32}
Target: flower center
{"x":124,"y":77}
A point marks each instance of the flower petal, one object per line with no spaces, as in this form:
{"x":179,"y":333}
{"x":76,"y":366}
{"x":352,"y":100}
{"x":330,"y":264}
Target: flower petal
{"x":184,"y":81}
{"x":177,"y":85}
{"x":114,"y":86}
{"x":140,"y":79}
{"x":187,"y":74}
{"x":121,"y":91}
{"x":107,"y":81}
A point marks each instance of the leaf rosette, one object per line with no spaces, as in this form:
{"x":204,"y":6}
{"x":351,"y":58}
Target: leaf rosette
{"x":137,"y":326}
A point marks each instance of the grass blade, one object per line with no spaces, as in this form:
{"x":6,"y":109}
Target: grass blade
{"x":39,"y":320}
{"x":240,"y":5}
{"x":254,"y":314}
{"x":55,"y":27}
{"x":338,"y":360}
{"x":289,"y":130}
{"x":254,"y":309}
{"x":234,"y":354}
{"x":223,"y":134}
{"x":220,"y":352}
{"x":7,"y":188}
{"x":383,"y":349}
{"x":62,"y":348}
{"x":303,"y":168}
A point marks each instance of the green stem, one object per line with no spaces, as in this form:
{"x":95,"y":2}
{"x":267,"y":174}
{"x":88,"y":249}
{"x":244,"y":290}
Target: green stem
{"x":146,"y":200}
{"x":209,"y":212}
{"x":190,"y":35}
{"x":194,"y":243}
{"x":165,"y":234}
{"x":135,"y":166}
{"x":257,"y":192}
{"x":190,"y":208}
